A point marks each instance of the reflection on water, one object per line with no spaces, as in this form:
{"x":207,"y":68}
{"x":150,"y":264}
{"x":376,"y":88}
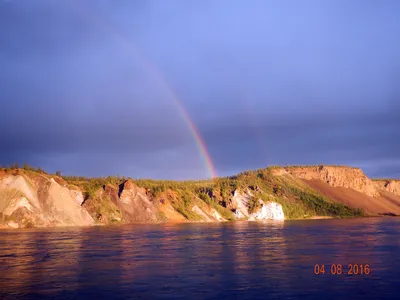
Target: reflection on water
{"x":246,"y":260}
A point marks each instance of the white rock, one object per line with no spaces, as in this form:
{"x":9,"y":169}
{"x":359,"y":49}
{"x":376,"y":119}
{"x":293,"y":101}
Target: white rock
{"x":77,"y":196}
{"x":269,"y":211}
{"x":15,"y":204}
{"x":13,"y":224}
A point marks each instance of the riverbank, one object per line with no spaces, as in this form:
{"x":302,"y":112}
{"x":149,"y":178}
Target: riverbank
{"x":32,"y":198}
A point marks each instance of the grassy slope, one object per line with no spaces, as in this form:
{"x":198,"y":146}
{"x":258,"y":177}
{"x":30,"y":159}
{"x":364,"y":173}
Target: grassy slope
{"x":297,"y":200}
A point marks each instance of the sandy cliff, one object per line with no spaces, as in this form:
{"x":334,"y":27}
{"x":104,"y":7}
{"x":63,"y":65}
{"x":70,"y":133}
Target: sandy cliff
{"x":346,"y":177}
{"x":136,"y":205}
{"x":28,"y":199}
{"x":390,"y":185}
{"x":39,"y":201}
{"x":352,"y":187}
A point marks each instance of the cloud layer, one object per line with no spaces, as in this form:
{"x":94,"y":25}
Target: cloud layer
{"x":90,"y":88}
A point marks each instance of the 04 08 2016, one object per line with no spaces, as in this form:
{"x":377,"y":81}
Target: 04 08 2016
{"x":339,"y":269}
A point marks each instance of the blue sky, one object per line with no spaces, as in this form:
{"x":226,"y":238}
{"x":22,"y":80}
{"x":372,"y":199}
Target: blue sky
{"x":265,"y":82}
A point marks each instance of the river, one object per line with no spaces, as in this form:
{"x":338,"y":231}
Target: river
{"x":237,"y":260}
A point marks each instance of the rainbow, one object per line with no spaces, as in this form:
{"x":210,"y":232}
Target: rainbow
{"x":201,"y":145}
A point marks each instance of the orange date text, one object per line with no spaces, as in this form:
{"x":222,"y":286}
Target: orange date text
{"x":339,"y":269}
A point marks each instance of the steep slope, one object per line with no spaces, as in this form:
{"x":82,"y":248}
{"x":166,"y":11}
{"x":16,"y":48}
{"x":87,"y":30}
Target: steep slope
{"x":352,"y":187}
{"x":346,"y":177}
{"x":164,"y":204}
{"x":135,"y":205}
{"x":39,"y":201}
{"x":352,"y":198}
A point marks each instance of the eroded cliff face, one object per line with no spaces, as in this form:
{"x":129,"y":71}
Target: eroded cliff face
{"x":35,"y":200}
{"x":349,"y":186}
{"x":39,"y":201}
{"x":391,"y":186}
{"x":346,"y":177}
{"x":135,"y":204}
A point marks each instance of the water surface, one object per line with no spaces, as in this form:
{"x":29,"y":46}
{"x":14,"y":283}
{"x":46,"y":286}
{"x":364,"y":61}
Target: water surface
{"x":239,"y":260}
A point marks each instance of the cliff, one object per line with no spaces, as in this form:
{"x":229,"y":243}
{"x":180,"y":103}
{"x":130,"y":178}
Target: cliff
{"x":350,"y":186}
{"x":389,"y":185}
{"x":37,"y":199}
{"x":346,"y":177}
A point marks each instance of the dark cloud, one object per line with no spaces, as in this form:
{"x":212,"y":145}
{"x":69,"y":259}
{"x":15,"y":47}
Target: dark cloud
{"x":91,"y":87}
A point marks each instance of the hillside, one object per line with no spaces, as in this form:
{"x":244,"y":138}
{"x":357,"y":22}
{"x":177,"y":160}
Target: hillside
{"x":33,"y":198}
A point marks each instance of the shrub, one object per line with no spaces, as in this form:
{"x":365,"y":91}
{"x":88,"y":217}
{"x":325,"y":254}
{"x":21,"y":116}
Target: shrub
{"x":254,"y":205}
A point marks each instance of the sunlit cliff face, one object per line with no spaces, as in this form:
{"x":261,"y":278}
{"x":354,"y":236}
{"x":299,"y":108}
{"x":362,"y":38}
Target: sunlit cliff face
{"x":269,"y":211}
{"x":37,"y":199}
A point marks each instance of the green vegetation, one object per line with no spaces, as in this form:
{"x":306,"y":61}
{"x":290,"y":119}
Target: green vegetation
{"x":315,"y":166}
{"x":323,"y":206}
{"x":385,"y":179}
{"x":25,"y":167}
{"x":103,"y":207}
{"x":223,"y":211}
{"x":184,"y":206}
{"x":254,"y":205}
{"x":297,"y":200}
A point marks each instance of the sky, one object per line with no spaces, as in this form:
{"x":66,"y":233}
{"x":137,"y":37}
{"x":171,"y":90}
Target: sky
{"x":100,"y":88}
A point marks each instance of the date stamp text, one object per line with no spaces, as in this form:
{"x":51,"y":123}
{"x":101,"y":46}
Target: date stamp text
{"x":339,"y":269}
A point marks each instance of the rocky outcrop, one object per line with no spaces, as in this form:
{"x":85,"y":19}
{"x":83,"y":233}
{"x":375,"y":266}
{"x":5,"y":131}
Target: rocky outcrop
{"x":77,"y":196}
{"x":240,"y":203}
{"x":391,"y":186}
{"x":39,"y":202}
{"x":346,"y":177}
{"x":112,"y":193}
{"x":103,"y":206}
{"x":135,"y":205}
{"x":23,"y":185}
{"x":267,"y":211}
{"x":63,"y":209}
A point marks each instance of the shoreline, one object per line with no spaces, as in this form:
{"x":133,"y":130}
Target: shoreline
{"x":4,"y":228}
